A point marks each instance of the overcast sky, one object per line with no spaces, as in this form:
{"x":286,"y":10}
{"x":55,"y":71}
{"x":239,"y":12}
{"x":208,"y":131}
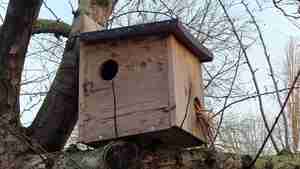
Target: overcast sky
{"x":276,"y":29}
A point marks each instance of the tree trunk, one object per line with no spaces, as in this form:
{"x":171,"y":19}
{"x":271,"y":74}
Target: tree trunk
{"x":15,"y":35}
{"x":59,"y":112}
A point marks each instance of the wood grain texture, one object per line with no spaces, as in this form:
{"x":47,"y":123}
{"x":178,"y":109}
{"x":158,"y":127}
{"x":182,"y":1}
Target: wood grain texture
{"x":156,"y":75}
{"x":187,"y":80}
{"x":141,"y":88}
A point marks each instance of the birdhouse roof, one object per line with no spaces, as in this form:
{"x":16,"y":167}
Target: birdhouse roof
{"x":173,"y":27}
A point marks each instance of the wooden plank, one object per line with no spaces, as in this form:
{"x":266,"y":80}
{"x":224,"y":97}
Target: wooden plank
{"x":171,"y":74}
{"x":129,"y":124}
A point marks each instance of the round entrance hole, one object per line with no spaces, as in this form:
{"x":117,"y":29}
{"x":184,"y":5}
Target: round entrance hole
{"x":109,"y":69}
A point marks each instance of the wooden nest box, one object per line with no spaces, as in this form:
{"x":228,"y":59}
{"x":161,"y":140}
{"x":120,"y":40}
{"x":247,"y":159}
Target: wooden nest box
{"x":142,"y":82}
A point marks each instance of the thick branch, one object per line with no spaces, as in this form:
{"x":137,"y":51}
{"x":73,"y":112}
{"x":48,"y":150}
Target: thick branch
{"x":15,"y":35}
{"x":51,"y":26}
{"x":59,"y":112}
{"x":128,"y":156}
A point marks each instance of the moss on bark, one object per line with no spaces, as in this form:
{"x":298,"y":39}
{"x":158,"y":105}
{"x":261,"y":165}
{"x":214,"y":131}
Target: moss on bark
{"x":286,"y":161}
{"x":51,"y":26}
{"x":103,"y":3}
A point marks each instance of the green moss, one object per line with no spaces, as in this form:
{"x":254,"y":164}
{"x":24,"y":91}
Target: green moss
{"x":287,"y":161}
{"x":51,"y":24}
{"x":285,"y":152}
{"x":104,"y":3}
{"x":83,"y":6}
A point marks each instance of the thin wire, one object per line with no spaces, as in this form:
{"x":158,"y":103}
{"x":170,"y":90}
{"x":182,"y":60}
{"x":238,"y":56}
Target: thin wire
{"x":276,"y":121}
{"x":115,"y":108}
{"x":187,"y":107}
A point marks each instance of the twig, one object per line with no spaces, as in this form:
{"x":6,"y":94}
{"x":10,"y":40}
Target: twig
{"x":246,"y":98}
{"x":137,"y":11}
{"x":267,"y":56}
{"x":226,"y":99}
{"x":252,"y":71}
{"x":51,"y":11}
{"x":276,"y":5}
{"x":276,"y":121}
{"x":169,"y":9}
{"x":72,"y":7}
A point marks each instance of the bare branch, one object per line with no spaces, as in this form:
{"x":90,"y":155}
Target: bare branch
{"x":272,"y":74}
{"x":252,"y":71}
{"x":276,"y":121}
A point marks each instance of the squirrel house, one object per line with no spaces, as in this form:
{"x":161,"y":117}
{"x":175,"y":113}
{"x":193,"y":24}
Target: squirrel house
{"x":142,"y":81}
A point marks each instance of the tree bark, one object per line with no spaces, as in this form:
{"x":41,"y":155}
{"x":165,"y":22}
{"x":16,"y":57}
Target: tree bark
{"x":58,"y":28}
{"x":59,"y":112}
{"x":15,"y":35}
{"x":116,"y":156}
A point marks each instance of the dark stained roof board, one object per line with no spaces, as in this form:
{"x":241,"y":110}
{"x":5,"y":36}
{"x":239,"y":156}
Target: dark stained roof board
{"x":156,"y":28}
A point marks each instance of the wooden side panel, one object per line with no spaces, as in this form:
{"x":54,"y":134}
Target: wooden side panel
{"x":141,"y":87}
{"x":187,"y":77}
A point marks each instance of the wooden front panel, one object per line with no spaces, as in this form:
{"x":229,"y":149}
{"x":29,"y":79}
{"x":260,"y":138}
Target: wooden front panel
{"x":141,"y":87}
{"x":187,"y":79}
